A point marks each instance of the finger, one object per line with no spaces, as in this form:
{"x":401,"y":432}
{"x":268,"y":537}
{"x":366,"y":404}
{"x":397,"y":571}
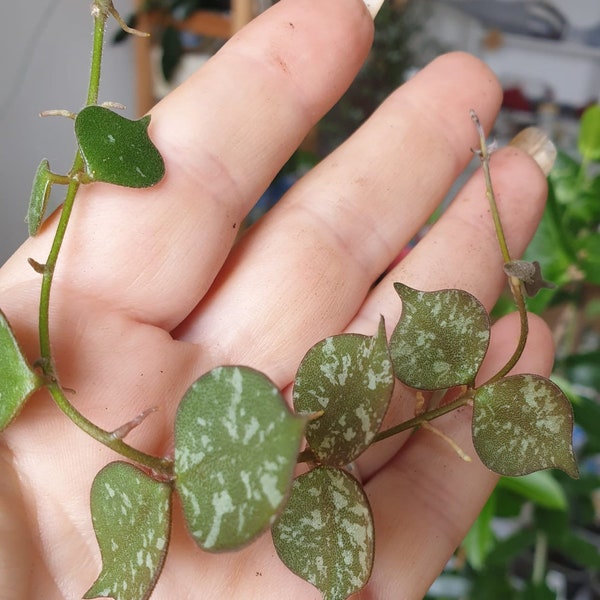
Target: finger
{"x":460,"y":251}
{"x":224,"y":135}
{"x":306,"y":268}
{"x":426,"y":498}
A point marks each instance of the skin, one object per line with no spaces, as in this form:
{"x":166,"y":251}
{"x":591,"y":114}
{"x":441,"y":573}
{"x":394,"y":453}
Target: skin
{"x":149,"y":294}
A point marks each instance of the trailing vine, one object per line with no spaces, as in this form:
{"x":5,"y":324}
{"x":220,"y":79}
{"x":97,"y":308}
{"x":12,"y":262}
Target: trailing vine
{"x":237,"y":443}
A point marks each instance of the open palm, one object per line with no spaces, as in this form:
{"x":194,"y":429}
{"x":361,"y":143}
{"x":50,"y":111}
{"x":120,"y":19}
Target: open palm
{"x":152,"y":290}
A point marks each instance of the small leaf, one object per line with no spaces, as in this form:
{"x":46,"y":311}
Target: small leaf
{"x":38,"y":200}
{"x":530,"y":273}
{"x":350,"y":378}
{"x":441,"y":338}
{"x":131,"y":513}
{"x":521,"y":424}
{"x":118,"y":150}
{"x":589,"y":133}
{"x":325,"y":533}
{"x":236,"y":445}
{"x":18,"y":380}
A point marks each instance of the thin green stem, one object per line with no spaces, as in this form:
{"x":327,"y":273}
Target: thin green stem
{"x":160,"y":466}
{"x":516,"y":286}
{"x":100,"y":13}
{"x":307,"y":456}
{"x":540,"y":557}
{"x":484,"y":155}
{"x":429,"y":415}
{"x":48,"y":275}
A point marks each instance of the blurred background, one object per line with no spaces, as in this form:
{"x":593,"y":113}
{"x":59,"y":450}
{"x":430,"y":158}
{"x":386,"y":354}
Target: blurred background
{"x":539,"y":536}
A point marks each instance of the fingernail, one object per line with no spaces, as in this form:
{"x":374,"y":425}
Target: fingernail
{"x":538,"y":145}
{"x":373,"y":6}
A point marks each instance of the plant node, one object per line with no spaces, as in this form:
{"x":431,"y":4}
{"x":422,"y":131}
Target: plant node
{"x":36,"y":266}
{"x":59,"y":113}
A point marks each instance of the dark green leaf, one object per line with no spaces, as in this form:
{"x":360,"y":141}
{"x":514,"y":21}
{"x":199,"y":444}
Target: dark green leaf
{"x":589,"y":133}
{"x":236,"y":445}
{"x":118,"y":150}
{"x":350,"y":378}
{"x":40,"y":192}
{"x":325,"y":532}
{"x":172,"y":52}
{"x":521,"y":424}
{"x":131,"y":513}
{"x":540,"y":487}
{"x":536,"y":591}
{"x":441,"y":338}
{"x":492,"y":583}
{"x":18,"y":380}
{"x":509,"y":548}
{"x":577,"y":549}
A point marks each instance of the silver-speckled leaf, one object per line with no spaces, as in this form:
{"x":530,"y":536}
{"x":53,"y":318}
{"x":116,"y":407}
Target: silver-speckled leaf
{"x":441,"y":338}
{"x":131,"y":513}
{"x":350,"y":378}
{"x":38,"y":200}
{"x":522,"y":424}
{"x":325,"y":533}
{"x":236,"y":444}
{"x":18,"y":380}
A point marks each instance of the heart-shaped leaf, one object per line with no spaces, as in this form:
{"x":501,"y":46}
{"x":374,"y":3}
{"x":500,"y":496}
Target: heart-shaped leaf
{"x":350,"y":378}
{"x":441,"y":338}
{"x":40,"y":192}
{"x":325,"y":533}
{"x":131,"y":513}
{"x":116,"y":149}
{"x":18,"y":380}
{"x":522,"y":424}
{"x":236,"y":444}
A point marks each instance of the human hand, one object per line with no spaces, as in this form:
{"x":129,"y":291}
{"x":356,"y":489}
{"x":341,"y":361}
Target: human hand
{"x":150,"y":292}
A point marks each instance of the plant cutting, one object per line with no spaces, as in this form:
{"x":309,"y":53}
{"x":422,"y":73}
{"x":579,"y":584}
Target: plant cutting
{"x":553,"y":550}
{"x":231,"y":471}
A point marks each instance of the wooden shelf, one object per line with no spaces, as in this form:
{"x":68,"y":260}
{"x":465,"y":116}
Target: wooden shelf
{"x":202,"y":22}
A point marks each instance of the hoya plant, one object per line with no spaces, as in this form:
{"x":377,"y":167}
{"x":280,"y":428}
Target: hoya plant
{"x":237,"y":443}
{"x":555,"y":545}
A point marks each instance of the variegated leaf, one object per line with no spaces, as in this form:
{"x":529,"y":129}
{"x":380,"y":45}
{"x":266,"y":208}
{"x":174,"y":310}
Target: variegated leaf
{"x":522,"y":424}
{"x":441,"y":338}
{"x":350,"y":378}
{"x":131,"y":513}
{"x":236,"y":444}
{"x":325,"y":533}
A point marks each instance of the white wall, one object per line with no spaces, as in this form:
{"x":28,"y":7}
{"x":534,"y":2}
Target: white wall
{"x":571,"y":71}
{"x":45,"y":49}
